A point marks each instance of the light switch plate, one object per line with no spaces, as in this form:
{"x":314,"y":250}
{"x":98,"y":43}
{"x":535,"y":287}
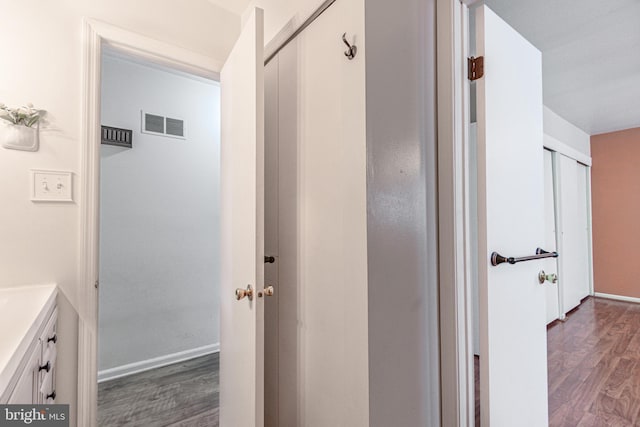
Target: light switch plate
{"x":51,"y":186}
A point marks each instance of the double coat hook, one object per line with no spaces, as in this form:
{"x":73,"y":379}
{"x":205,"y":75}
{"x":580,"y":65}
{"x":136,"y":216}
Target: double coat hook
{"x":351,"y":52}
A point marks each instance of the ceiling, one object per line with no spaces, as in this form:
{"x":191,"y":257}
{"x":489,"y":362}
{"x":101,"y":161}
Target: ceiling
{"x":233,"y":6}
{"x":590,"y":57}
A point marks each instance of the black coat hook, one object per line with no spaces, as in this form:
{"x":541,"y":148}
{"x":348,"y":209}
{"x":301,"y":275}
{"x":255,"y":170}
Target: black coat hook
{"x":351,"y":52}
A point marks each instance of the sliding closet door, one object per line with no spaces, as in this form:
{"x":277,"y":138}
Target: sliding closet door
{"x":582,"y":229}
{"x":551,"y":265}
{"x":574,"y":257}
{"x":271,"y":246}
{"x":332,"y":221}
{"x":316,"y":141}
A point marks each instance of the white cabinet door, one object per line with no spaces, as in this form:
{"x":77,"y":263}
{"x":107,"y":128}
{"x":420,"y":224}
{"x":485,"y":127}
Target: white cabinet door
{"x":26,"y":390}
{"x":242,"y":220}
{"x":513,"y":338}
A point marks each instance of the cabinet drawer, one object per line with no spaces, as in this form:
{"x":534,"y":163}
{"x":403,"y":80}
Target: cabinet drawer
{"x":49,"y":336}
{"x":48,"y":344}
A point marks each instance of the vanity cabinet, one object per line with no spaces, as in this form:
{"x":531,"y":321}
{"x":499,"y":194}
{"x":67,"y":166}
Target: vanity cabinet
{"x":36,"y":381}
{"x":24,"y":391}
{"x":28,"y":364}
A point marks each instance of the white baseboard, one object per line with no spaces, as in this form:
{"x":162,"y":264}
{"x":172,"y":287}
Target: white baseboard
{"x":617,"y":297}
{"x":156,"y":362}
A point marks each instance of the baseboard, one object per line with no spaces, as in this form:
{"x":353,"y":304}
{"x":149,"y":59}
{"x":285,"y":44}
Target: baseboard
{"x":156,"y":362}
{"x":617,"y":297}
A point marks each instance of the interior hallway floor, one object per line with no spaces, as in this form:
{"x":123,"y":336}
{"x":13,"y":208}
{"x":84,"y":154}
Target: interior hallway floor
{"x":593,"y":365}
{"x":184,"y":394}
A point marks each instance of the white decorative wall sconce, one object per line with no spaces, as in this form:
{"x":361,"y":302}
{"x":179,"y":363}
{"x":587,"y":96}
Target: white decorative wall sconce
{"x":21,"y":128}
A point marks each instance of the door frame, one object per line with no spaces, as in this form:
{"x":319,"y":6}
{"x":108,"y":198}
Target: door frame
{"x":453,"y":102}
{"x":97,"y":34}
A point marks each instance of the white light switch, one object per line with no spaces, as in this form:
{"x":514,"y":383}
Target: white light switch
{"x":51,"y":186}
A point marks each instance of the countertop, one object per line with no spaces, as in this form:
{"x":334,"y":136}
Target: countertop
{"x":22,"y":311}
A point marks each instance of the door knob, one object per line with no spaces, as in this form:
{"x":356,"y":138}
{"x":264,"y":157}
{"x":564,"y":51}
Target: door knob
{"x":267,"y":292}
{"x":242,"y":293}
{"x":552,"y":278}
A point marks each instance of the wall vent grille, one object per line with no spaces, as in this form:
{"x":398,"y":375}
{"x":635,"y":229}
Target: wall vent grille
{"x":116,"y":136}
{"x":163,"y":126}
{"x":175,"y":127}
{"x":153,"y":123}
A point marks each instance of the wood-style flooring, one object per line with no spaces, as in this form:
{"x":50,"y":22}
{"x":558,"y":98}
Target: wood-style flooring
{"x":593,"y":362}
{"x":594,"y":366}
{"x":181,"y":395}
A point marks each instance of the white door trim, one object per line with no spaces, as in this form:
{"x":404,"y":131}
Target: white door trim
{"x":95,"y":35}
{"x":456,"y":350}
{"x":592,"y":290}
{"x":558,"y":146}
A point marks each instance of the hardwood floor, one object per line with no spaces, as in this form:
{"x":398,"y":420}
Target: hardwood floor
{"x":594,"y":366}
{"x":594,"y":378}
{"x":181,"y":395}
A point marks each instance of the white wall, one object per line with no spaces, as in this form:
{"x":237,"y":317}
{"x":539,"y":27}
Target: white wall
{"x":42,"y":46}
{"x":159,"y":217}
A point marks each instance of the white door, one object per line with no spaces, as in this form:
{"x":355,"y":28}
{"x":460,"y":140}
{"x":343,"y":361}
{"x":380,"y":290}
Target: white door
{"x":242,"y":219}
{"x":513,"y":340}
{"x":550,"y":265}
{"x":574,"y":281}
{"x":317,"y":142}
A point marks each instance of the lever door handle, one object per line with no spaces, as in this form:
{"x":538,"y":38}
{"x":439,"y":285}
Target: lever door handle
{"x":497,"y":259}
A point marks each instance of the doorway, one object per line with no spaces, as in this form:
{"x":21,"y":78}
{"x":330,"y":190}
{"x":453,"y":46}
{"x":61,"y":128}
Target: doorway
{"x":565,"y":206}
{"x":158,"y":349}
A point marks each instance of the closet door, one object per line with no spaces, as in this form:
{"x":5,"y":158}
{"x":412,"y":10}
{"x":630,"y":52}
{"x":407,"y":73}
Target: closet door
{"x":574,"y":258}
{"x":316,"y":141}
{"x":271,"y":245}
{"x":582,"y":231}
{"x":551,"y":265}
{"x":282,"y":220}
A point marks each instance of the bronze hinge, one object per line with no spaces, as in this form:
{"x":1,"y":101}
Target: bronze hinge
{"x":476,"y":67}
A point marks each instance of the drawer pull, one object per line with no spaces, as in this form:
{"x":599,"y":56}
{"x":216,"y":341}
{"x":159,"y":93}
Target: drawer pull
{"x":54,"y":338}
{"x":52,"y":395}
{"x":46,"y":367}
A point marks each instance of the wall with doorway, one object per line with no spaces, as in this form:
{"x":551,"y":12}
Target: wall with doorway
{"x":159,"y":220}
{"x":42,"y":42}
{"x":615,"y":183}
